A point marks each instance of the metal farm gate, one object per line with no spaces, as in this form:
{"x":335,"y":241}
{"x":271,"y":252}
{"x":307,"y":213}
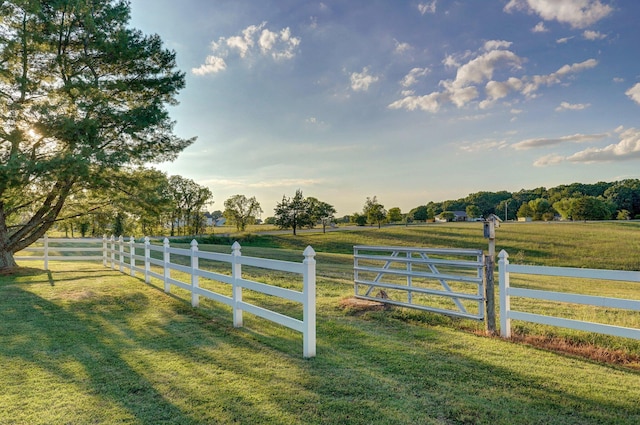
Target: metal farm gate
{"x":446,"y":281}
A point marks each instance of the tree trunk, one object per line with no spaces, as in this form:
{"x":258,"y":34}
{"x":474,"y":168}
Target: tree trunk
{"x":6,"y":261}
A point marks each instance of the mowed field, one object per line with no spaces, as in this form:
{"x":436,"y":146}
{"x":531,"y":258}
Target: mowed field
{"x":84,"y":344}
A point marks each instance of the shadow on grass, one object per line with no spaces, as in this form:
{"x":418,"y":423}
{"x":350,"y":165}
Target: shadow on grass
{"x":57,"y":335}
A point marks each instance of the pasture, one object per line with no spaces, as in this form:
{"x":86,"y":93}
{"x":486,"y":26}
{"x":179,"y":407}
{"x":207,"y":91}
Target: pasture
{"x":85,"y":344}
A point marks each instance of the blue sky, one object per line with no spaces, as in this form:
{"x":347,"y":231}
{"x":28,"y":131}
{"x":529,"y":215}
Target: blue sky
{"x":411,"y":101}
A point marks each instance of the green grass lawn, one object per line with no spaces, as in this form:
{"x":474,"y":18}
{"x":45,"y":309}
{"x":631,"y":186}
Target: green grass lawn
{"x":84,"y":344}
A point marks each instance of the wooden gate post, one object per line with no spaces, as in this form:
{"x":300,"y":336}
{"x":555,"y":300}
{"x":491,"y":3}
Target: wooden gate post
{"x":489,"y":286}
{"x":490,"y":295}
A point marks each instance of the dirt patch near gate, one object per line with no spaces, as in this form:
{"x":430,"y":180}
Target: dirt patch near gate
{"x":357,"y":306}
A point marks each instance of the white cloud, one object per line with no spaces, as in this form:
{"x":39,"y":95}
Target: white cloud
{"x":450,"y":61}
{"x":484,"y":145}
{"x":243,"y":43}
{"x":543,"y":142}
{"x":402,"y":47}
{"x":618,"y":80}
{"x":627,"y":148}
{"x":412,"y":77}
{"x":462,"y":96}
{"x":593,"y":35}
{"x":496,"y":45}
{"x":267,"y":40}
{"x":539,"y":27}
{"x":360,"y":81}
{"x":497,"y":90}
{"x":551,"y":159}
{"x":481,"y":68}
{"x":564,"y":40}
{"x":428,"y":103}
{"x":279,"y":44}
{"x":464,"y":88}
{"x":212,"y":65}
{"x":577,"y":13}
{"x":536,"y":81}
{"x":429,"y":7}
{"x":634,"y":93}
{"x":566,"y":106}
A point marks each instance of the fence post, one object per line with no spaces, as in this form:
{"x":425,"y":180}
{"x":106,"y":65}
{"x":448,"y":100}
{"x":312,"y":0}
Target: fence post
{"x":195,"y":298}
{"x":166,"y":259}
{"x":236,"y":274}
{"x":309,"y":306}
{"x":505,"y":300}
{"x":113,"y":252}
{"x":132,"y":254}
{"x":104,"y":250}
{"x":121,"y":253}
{"x":147,"y":256}
{"x":490,"y":295}
{"x":46,"y":252}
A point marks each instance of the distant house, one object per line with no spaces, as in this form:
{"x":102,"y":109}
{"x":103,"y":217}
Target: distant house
{"x":527,"y":219}
{"x":220,"y":222}
{"x":209,"y":218}
{"x":459,"y":216}
{"x":446,"y":216}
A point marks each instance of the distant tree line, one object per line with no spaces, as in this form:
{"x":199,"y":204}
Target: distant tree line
{"x":577,"y":201}
{"x":137,"y":201}
{"x":147,"y":201}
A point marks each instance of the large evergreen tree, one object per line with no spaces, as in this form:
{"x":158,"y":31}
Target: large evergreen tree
{"x":80,"y":94}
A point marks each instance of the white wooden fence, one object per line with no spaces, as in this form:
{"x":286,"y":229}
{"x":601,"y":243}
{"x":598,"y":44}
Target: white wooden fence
{"x":507,"y":291}
{"x":137,"y":257}
{"x":85,"y":249}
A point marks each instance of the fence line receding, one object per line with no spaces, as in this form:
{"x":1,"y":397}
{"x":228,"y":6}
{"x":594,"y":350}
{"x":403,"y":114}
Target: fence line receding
{"x":155,"y":261}
{"x":507,"y":314}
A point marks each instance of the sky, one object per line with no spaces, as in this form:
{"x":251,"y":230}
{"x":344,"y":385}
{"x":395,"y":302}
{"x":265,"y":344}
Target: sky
{"x":408,"y":101}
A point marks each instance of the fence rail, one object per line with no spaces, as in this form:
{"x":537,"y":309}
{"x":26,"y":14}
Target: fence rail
{"x":432,"y":279}
{"x":507,"y":291}
{"x":139,"y":257}
{"x":50,"y":250}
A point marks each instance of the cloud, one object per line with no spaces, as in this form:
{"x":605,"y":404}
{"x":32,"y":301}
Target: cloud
{"x":536,"y":81}
{"x":551,"y":159}
{"x":544,"y":142}
{"x":484,"y":145}
{"x":618,"y":80}
{"x":428,"y":103}
{"x":360,"y":81}
{"x":539,"y":28}
{"x":576,"y":13}
{"x":627,"y":148}
{"x":564,"y":40}
{"x":479,"y":69}
{"x":429,"y":7}
{"x":412,"y":77}
{"x":566,"y":106}
{"x":402,"y":47}
{"x":460,"y":96}
{"x":496,"y":90}
{"x":482,"y":67}
{"x":593,"y":35}
{"x":280,"y":45}
{"x":634,"y":93}
{"x":212,"y":65}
